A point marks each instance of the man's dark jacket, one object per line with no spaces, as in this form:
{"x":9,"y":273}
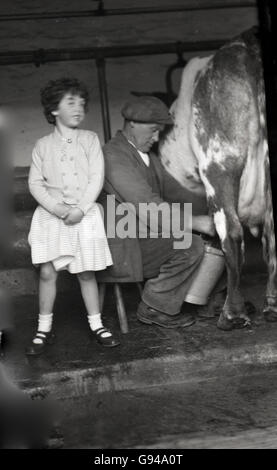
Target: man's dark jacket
{"x":129,"y":179}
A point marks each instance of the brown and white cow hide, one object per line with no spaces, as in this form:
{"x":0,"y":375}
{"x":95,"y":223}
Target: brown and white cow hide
{"x":219,"y":140}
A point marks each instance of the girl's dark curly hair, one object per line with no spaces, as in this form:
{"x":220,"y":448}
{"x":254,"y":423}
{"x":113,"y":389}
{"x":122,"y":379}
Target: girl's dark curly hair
{"x":55,"y":90}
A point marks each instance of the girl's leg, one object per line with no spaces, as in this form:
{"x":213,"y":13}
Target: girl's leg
{"x":90,"y":295}
{"x":47,"y":288}
{"x":47,"y":294}
{"x":89,"y":289}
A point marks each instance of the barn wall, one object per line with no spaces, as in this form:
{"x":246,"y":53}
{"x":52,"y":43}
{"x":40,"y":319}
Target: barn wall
{"x":20,"y":84}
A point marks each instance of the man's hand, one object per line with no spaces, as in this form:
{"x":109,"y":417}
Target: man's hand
{"x":74,"y":216}
{"x":203,"y":224}
{"x":61,"y":210}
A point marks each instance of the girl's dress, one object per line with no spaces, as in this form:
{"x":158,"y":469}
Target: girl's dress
{"x":69,"y":171}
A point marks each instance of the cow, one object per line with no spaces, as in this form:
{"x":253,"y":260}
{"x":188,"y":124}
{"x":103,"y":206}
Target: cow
{"x":219,"y":143}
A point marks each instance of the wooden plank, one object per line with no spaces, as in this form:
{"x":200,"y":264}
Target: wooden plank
{"x":185,"y":3}
{"x":29,"y":6}
{"x":140,"y":29}
{"x":9,"y":7}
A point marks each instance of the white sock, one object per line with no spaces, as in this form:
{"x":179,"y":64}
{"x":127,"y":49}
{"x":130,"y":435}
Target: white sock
{"x":95,"y":322}
{"x":44,"y":325}
{"x":45,"y":322}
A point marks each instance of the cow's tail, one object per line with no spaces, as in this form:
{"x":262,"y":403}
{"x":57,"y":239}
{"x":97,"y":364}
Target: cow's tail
{"x":268,"y":237}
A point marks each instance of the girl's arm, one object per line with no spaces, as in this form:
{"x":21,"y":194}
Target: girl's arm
{"x":37,"y":186}
{"x":95,"y":176}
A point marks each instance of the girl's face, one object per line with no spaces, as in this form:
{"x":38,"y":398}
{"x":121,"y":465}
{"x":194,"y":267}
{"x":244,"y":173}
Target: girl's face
{"x":71,"y":111}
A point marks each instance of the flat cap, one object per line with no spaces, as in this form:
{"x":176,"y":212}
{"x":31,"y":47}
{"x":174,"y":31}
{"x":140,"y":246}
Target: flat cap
{"x":146,"y":109}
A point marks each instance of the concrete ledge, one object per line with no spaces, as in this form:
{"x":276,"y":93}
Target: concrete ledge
{"x":159,"y":371}
{"x":247,"y":439}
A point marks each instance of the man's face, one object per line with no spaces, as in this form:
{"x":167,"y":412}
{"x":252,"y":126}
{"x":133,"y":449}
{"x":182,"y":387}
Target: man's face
{"x":71,"y":110}
{"x":145,"y":135}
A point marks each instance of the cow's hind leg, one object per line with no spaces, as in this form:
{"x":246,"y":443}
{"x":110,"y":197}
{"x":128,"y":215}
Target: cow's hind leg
{"x":223,"y":188}
{"x":234,"y":313}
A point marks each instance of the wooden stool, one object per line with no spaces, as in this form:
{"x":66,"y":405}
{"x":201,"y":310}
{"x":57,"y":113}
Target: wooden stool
{"x":120,"y":307}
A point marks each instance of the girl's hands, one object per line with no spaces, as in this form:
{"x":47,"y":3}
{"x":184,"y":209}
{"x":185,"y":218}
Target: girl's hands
{"x":61,"y":210}
{"x":74,"y":216}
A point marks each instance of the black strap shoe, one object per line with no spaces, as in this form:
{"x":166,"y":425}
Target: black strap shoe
{"x":39,"y":343}
{"x":101,"y":338}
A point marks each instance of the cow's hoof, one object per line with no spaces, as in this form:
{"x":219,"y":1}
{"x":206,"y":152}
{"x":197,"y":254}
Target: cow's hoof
{"x":233,"y":324}
{"x":207,"y":312}
{"x":270,"y":308}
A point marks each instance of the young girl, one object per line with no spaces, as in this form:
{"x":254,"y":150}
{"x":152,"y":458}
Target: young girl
{"x":67,"y":231}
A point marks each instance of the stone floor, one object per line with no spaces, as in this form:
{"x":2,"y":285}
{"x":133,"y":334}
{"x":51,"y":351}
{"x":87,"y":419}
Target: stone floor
{"x":75,"y":350}
{"x":151,"y":362}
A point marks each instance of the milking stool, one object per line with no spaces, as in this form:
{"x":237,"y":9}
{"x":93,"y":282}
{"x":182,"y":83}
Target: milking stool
{"x":120,"y":306}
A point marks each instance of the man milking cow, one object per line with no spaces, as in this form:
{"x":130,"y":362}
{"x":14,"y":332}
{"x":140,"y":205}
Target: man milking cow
{"x":135,"y":175}
{"x":217,"y":146}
